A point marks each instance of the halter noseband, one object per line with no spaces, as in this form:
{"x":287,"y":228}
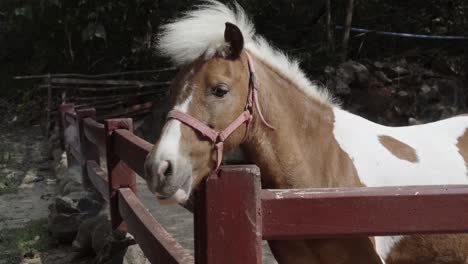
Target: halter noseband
{"x":218,"y":137}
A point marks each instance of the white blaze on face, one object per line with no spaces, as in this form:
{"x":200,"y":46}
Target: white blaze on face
{"x":169,"y":144}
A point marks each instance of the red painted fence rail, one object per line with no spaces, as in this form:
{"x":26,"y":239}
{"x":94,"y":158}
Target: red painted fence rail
{"x":230,"y":224}
{"x":125,"y":154}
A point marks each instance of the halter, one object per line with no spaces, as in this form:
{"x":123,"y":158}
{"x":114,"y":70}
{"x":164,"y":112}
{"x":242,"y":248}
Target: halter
{"x":218,"y":137}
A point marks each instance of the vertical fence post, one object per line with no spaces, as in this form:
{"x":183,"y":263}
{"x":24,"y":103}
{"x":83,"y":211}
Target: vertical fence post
{"x":62,"y":122}
{"x":49,"y":105}
{"x":228,"y":217}
{"x":89,"y":151}
{"x":120,"y":175}
{"x":62,"y":126}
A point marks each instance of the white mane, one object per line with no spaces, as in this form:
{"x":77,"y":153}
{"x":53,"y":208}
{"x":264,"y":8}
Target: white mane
{"x":201,"y":32}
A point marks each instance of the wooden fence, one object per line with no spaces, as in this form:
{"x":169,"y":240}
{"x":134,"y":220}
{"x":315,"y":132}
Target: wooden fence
{"x":230,"y":224}
{"x":112,"y":94}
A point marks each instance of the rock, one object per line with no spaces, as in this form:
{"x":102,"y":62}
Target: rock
{"x":101,"y":235}
{"x":382,"y":76}
{"x":67,"y":213}
{"x":398,"y":70}
{"x":32,"y":177}
{"x":329,"y":70}
{"x":352,"y":71}
{"x":403,"y":93}
{"x":425,"y":89}
{"x":87,"y":203}
{"x":70,"y":186}
{"x":345,"y":73}
{"x":34,"y":259}
{"x":115,"y":251}
{"x":63,"y":226}
{"x":341,"y":88}
{"x":66,"y":205}
{"x":378,"y":65}
{"x":90,"y":205}
{"x":134,"y":255}
{"x":92,"y":235}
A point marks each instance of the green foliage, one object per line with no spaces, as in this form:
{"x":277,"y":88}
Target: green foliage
{"x":18,"y":242}
{"x":431,"y":17}
{"x":51,"y":36}
{"x":8,"y":184}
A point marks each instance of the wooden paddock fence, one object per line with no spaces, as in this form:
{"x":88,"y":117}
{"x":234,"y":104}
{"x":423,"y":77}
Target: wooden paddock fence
{"x":233,"y":214}
{"x":118,"y":94}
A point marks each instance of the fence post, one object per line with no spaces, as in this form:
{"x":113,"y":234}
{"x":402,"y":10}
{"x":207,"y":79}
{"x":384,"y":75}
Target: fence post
{"x":89,"y":151}
{"x":120,"y":175}
{"x":62,"y":126}
{"x":62,"y":122}
{"x":49,"y":104}
{"x":228,"y":217}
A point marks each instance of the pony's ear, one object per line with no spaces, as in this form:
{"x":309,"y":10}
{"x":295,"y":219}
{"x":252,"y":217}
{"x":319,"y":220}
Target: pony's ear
{"x":233,"y":36}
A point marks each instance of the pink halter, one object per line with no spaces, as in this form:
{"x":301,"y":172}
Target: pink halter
{"x":218,"y":137}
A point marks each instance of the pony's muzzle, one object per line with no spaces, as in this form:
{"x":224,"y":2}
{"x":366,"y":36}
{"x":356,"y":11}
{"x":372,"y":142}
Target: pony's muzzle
{"x":167,"y":179}
{"x":164,"y":169}
{"x":157,"y":174}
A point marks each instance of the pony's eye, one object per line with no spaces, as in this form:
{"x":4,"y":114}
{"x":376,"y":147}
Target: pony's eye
{"x":220,"y":90}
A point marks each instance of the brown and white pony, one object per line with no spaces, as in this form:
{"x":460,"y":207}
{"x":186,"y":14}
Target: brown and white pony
{"x":312,"y":141}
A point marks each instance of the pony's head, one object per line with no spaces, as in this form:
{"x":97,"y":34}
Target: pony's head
{"x":212,"y":87}
{"x":211,"y":45}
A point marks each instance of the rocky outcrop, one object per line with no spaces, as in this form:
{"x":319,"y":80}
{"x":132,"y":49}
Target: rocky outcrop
{"x":71,"y":208}
{"x":80,"y":216}
{"x":397,"y":92}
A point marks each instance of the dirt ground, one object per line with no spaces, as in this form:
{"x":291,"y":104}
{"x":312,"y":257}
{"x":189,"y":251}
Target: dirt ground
{"x":27,"y":187}
{"x":26,"y":184}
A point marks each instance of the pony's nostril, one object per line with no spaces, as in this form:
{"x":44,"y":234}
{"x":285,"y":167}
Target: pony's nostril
{"x":165,"y":168}
{"x":169,"y":169}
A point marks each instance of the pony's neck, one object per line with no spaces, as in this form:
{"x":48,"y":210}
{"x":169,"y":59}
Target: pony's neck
{"x":302,"y":151}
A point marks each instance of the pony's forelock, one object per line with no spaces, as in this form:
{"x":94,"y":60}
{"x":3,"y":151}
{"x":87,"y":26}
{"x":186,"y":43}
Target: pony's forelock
{"x":201,"y":32}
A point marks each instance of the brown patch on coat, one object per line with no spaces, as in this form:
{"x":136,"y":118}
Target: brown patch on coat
{"x":462,"y":146}
{"x":325,"y":251}
{"x":433,"y":249}
{"x":399,"y":149}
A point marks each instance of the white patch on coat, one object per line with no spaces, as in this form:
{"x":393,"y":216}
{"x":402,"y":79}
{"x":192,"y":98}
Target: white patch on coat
{"x":435,"y":144}
{"x":383,"y":245}
{"x":169,"y":144}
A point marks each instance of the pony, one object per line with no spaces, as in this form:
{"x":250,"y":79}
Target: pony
{"x":235,"y":90}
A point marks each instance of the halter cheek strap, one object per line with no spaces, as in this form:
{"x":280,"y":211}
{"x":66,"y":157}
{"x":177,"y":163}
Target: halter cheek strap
{"x":218,"y":137}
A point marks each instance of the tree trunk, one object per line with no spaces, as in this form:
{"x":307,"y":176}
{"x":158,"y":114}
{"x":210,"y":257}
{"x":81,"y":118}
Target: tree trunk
{"x":330,"y":40}
{"x":347,"y":29}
